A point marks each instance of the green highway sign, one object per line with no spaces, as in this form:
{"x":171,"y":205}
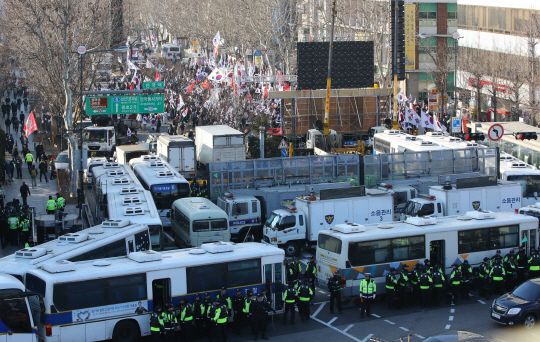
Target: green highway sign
{"x":153,"y":85}
{"x":125,"y":104}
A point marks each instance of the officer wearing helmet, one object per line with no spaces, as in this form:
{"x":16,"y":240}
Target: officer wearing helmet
{"x":466,"y":278}
{"x":156,"y":324}
{"x":391,"y":288}
{"x":334,"y":286}
{"x":483,"y":279}
{"x":455,"y":281}
{"x":185,"y":318}
{"x":304,"y":296}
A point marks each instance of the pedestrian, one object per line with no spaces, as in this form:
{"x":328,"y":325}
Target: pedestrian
{"x":289,"y":298}
{"x":33,"y":176}
{"x":259,"y":310}
{"x":182,"y":127}
{"x":29,"y":159}
{"x":311,"y":272}
{"x":15,"y":152}
{"x":403,"y":285}
{"x":25,"y":102}
{"x":13,"y":222}
{"x":334,"y":286}
{"x":24,"y":226}
{"x":466,"y":277}
{"x":158,"y":124}
{"x":497,"y":275}
{"x":15,"y":123}
{"x":8,"y":125}
{"x":368,"y":292}
{"x":8,"y":168}
{"x":145,"y":123}
{"x":438,"y":285}
{"x":60,"y":202}
{"x":2,"y":198}
{"x":248,"y":318}
{"x":425,"y":282}
{"x":391,"y":284}
{"x":510,"y":267}
{"x":43,"y":170}
{"x":50,"y":205}
{"x":18,"y":166}
{"x":53,"y":169}
{"x":39,"y":151}
{"x":534,"y":264}
{"x":223,"y":295}
{"x":198,"y":314}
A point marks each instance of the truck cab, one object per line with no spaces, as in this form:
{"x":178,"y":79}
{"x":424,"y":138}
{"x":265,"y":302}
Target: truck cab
{"x":283,"y":227}
{"x":401,"y":195}
{"x":422,"y":206}
{"x":244,"y":214}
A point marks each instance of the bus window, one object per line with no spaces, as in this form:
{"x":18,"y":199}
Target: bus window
{"x":330,"y":243}
{"x":165,"y":194}
{"x":14,"y":315}
{"x":367,"y":253}
{"x":240,"y":209}
{"x":279,"y":285}
{"x":35,"y":284}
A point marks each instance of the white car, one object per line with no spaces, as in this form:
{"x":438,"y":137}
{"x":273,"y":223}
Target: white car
{"x":62,"y":161}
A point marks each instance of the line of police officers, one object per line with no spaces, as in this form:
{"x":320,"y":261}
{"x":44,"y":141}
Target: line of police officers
{"x":208,"y":317}
{"x":427,"y":284}
{"x":15,"y":221}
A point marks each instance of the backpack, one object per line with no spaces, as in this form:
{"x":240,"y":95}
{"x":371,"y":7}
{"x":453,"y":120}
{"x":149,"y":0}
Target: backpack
{"x":33,"y":173}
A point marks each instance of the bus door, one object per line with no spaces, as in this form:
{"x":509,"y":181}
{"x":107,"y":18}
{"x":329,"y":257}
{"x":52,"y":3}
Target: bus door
{"x":436,"y":250}
{"x":273,"y":282}
{"x":161,"y":288}
{"x":528,"y":239}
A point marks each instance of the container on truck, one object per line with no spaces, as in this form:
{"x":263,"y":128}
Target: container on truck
{"x":480,"y":193}
{"x":219,"y":144}
{"x":179,"y":151}
{"x":295,"y":227}
{"x":248,"y":208}
{"x":127,"y":152}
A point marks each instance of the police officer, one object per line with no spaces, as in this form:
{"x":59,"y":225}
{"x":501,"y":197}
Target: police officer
{"x":226,"y":298}
{"x":425,"y":282}
{"x":208,"y":323}
{"x":247,"y":310}
{"x":289,"y":271}
{"x":24,"y":226}
{"x":289,"y":298}
{"x":304,"y":296}
{"x":185,"y":318}
{"x":220,"y":319}
{"x":414,"y":276}
{"x":199,"y":310}
{"x":510,"y":267}
{"x":368,"y":292}
{"x":29,"y":159}
{"x":482,"y":282}
{"x":521,"y":260}
{"x":169,"y":321}
{"x":297,"y":269}
{"x":466,"y":277}
{"x":13,"y":222}
{"x":438,"y":285}
{"x":507,"y":256}
{"x":403,"y":284}
{"x":60,"y":202}
{"x":455,"y":281}
{"x":156,"y":324}
{"x":391,"y":284}
{"x":2,"y":197}
{"x":51,"y":205}
{"x":334,"y":286}
{"x":495,"y":257}
{"x":259,"y":309}
{"x":497,"y":275}
{"x":534,"y":264}
{"x":29,"y":243}
{"x":238,"y":307}
{"x":311,"y":272}
{"x":427,"y":266}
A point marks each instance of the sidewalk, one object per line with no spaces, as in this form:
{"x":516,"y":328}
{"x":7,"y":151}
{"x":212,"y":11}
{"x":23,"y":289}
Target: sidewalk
{"x":40,"y":194}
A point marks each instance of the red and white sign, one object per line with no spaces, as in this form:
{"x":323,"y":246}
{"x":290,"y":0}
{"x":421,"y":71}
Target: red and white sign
{"x":81,"y":50}
{"x":283,"y":145}
{"x":495,"y":132}
{"x":30,"y":126}
{"x":248,"y":96}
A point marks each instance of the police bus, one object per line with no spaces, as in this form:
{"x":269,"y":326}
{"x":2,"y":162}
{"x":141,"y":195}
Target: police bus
{"x":164,"y":183}
{"x":109,"y":239}
{"x":353,"y":249}
{"x":19,"y":311}
{"x":112,"y":298}
{"x":113,"y":180}
{"x":198,"y":220}
{"x":394,"y":141}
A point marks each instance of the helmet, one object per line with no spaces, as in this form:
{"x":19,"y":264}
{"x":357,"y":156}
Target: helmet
{"x":486,"y":259}
{"x":426,"y":261}
{"x":392,"y":269}
{"x":454,"y":265}
{"x":57,"y":194}
{"x":182,"y":299}
{"x":158,"y":308}
{"x":498,"y":251}
{"x":466,"y":262}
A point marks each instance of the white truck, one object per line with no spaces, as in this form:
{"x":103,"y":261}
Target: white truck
{"x":219,"y":144}
{"x":179,"y":151}
{"x":449,"y":200}
{"x":125,"y":153}
{"x":295,"y":227}
{"x":402,"y":194}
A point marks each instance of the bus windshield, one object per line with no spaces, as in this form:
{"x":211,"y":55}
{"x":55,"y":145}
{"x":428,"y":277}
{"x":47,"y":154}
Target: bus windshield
{"x":15,"y":316}
{"x":529,"y":183}
{"x":209,"y":225}
{"x":165,"y":194}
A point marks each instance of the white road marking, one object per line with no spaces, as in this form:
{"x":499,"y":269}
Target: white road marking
{"x":332,"y":320}
{"x":387,"y":321}
{"x":321,"y":291}
{"x":447,"y":327}
{"x":340,"y":331}
{"x":470,"y":295}
{"x":367,"y":338}
{"x":321,"y":302}
{"x":451,"y":318}
{"x":318,"y":310}
{"x":419,"y":336}
{"x":347,"y":328}
{"x":452,"y":310}
{"x":375,"y":315}
{"x":482,"y":302}
{"x":402,"y":328}
{"x":535,"y":335}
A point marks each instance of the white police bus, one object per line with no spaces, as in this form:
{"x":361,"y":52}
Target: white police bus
{"x":112,"y":298}
{"x":199,"y":220}
{"x":354,"y":249}
{"x":164,"y":183}
{"x":394,"y":141}
{"x":109,"y":239}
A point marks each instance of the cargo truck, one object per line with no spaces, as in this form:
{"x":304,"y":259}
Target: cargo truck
{"x":127,"y":152}
{"x":295,"y":227}
{"x":219,"y":144}
{"x":179,"y":151}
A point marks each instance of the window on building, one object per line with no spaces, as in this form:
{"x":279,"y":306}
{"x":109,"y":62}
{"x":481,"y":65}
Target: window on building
{"x":452,"y":15}
{"x":427,"y":14}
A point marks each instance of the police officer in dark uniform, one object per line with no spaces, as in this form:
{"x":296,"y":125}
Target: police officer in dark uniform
{"x":521,"y":260}
{"x":311,"y":272}
{"x":238,"y":302}
{"x":259,"y":309}
{"x":185,"y":318}
{"x":247,"y":310}
{"x":495,"y":257}
{"x":425,"y":283}
{"x":305,"y":294}
{"x":438,"y":284}
{"x":199,"y":310}
{"x":208,"y":323}
{"x":289,"y":298}
{"x":510,"y":268}
{"x":226,"y":298}
{"x":220,"y":319}
{"x":455,"y":282}
{"x":497,"y":275}
{"x":466,"y":277}
{"x":334,"y":286}
{"x":169,"y":322}
{"x":156,"y":324}
{"x":403,"y":285}
{"x":483,"y":278}
{"x":391,"y":288}
{"x":534,"y":264}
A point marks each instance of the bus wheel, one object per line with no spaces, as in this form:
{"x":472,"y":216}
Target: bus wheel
{"x":291,"y":249}
{"x":126,"y":331}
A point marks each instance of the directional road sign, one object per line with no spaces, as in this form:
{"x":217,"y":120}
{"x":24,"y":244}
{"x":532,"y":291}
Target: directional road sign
{"x":495,"y":132}
{"x":456,"y":125}
{"x":153,"y":85}
{"x":125,"y":104}
{"x":284,"y":153}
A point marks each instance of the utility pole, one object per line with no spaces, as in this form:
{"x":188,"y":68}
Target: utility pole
{"x":329,"y":78}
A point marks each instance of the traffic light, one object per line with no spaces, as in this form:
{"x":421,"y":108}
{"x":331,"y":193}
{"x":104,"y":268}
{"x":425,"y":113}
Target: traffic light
{"x":472,"y":136}
{"x":526,"y":136}
{"x":397,"y":25}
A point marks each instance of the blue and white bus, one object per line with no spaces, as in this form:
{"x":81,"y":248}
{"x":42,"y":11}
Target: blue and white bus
{"x":113,"y":298}
{"x":164,"y":183}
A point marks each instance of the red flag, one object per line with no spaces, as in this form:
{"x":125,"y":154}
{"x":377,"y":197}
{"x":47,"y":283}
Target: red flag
{"x":206,"y":84}
{"x":190,"y":90}
{"x":157,"y":79}
{"x":287,"y":87}
{"x":30,"y":126}
{"x":265,"y":92}
{"x":232,"y":82}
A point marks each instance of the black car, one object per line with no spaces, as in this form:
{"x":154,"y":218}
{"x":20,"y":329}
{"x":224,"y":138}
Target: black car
{"x":521,"y":306}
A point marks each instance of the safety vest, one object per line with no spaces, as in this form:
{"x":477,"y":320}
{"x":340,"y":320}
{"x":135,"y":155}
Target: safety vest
{"x":367,"y":288}
{"x":186,"y":313}
{"x":29,"y":157}
{"x":227,"y":298}
{"x":168,"y":319}
{"x":455,"y":277}
{"x":483,"y":270}
{"x":221,"y":314}
{"x":289,"y":296}
{"x":247,"y":303}
{"x":311,"y":268}
{"x":61,"y":202}
{"x":13,"y":222}
{"x":438,"y":279}
{"x":497,"y":273}
{"x":51,"y":204}
{"x":425,"y":281}
{"x":1,"y":191}
{"x":404,"y":278}
{"x":534,"y":263}
{"x":391,"y":281}
{"x":155,"y":322}
{"x":305,"y":293}
{"x":521,"y":259}
{"x":465,"y":271}
{"x":510,"y":266}
{"x":25,"y":224}
{"x":198,"y":308}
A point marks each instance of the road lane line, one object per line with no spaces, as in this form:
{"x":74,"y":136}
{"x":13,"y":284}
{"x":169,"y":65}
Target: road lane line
{"x":340,"y":331}
{"x":451,"y":318}
{"x":447,"y":327}
{"x":318,"y":310}
{"x":419,"y":336}
{"x":452,"y":310}
{"x":402,"y":328}
{"x":387,"y":321}
{"x":367,"y":338}
{"x":347,"y":328}
{"x":332,"y":320}
{"x":375,"y":315}
{"x":481,"y":302}
{"x":321,"y":291}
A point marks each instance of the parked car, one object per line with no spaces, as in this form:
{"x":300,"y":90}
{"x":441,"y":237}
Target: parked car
{"x":62,"y":161}
{"x":521,"y":306}
{"x":458,"y":336}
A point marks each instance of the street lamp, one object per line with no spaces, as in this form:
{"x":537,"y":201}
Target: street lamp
{"x":81,"y":50}
{"x":456,"y":37}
